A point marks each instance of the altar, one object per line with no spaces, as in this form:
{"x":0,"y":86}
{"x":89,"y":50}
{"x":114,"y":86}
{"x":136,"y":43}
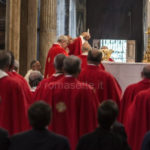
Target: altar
{"x":125,"y":73}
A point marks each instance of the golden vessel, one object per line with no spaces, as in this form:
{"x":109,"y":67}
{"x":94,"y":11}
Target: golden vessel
{"x":106,"y":53}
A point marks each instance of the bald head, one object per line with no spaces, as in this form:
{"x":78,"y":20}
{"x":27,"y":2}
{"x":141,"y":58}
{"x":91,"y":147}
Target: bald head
{"x":94,"y":57}
{"x":58,"y":62}
{"x":72,"y":65}
{"x":62,"y":38}
{"x":5,"y":60}
{"x":34,"y":78}
{"x":146,"y":72}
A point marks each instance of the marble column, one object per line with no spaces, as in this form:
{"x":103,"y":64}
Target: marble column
{"x":28,"y":34}
{"x":32,"y":31}
{"x":146,"y":21}
{"x":13,"y":26}
{"x":48,"y":17}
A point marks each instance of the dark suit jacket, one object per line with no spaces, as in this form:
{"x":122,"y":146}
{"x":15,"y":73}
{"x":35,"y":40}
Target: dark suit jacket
{"x":38,"y":140}
{"x":118,"y":129}
{"x":101,"y":139}
{"x":146,"y":142}
{"x":4,"y":140}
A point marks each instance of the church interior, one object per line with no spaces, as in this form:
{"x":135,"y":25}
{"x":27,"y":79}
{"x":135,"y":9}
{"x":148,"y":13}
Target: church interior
{"x":111,"y":35}
{"x":27,"y":24}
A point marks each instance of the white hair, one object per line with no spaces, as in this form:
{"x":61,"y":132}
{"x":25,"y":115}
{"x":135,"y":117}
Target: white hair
{"x":62,"y":38}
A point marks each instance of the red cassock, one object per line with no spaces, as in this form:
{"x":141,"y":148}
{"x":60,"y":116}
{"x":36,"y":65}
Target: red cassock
{"x":76,"y":47}
{"x":84,"y":62}
{"x":13,"y":106}
{"x":24,"y":84}
{"x":39,"y":93}
{"x":129,"y":95}
{"x":54,"y":51}
{"x":104,"y":83}
{"x":138,"y":122}
{"x":74,"y":106}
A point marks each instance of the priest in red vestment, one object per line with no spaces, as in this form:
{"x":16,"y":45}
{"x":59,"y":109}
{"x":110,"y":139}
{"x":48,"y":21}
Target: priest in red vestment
{"x":13,"y":106}
{"x":132,"y":90}
{"x":75,"y":47}
{"x":74,"y":104}
{"x":138,"y":120}
{"x":86,"y":47}
{"x":104,"y":83}
{"x":57,"y":48}
{"x":58,"y":64}
{"x":12,"y":73}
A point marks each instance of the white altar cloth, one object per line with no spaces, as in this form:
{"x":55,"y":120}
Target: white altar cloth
{"x":125,"y":73}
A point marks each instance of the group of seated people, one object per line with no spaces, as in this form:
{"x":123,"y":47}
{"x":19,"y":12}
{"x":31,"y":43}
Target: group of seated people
{"x":83,"y":102}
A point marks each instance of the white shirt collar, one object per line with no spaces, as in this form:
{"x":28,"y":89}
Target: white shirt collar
{"x":68,"y":76}
{"x":33,"y":89}
{"x":3,"y":74}
{"x":85,"y":54}
{"x":57,"y":74}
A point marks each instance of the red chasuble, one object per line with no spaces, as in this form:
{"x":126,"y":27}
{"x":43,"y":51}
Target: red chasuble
{"x":104,"y":83}
{"x":84,"y":62}
{"x":13,"y":106}
{"x":54,"y":51}
{"x":39,"y":93}
{"x":75,"y":47}
{"x":138,"y":122}
{"x":74,"y":106}
{"x":24,"y":85}
{"x":129,"y":95}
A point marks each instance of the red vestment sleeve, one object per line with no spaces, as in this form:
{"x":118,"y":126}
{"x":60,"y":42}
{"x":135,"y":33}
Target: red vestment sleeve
{"x":75,"y":47}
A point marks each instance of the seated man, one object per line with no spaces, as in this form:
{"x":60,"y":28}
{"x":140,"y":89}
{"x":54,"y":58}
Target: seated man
{"x":39,"y":138}
{"x":105,"y":137}
{"x":4,"y":141}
